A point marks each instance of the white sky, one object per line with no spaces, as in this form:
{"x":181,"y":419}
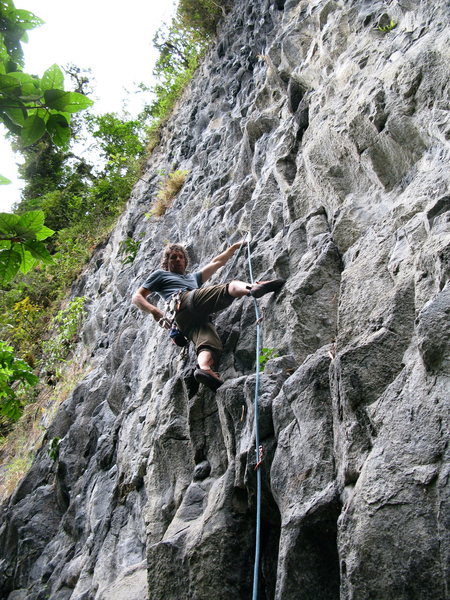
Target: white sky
{"x":112,"y":38}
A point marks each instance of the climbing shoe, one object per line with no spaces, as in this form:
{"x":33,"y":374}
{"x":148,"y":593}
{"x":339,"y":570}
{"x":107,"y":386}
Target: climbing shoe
{"x":209,"y":380}
{"x":260,"y":289}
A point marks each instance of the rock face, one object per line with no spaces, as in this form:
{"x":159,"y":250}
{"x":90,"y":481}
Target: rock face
{"x":327,"y":140}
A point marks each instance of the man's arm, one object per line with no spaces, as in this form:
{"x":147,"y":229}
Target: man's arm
{"x":219,"y":261}
{"x":140,"y":300}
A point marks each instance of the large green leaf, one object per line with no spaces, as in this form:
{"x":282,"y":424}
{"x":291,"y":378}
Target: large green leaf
{"x":4,"y":180}
{"x":8,"y":84}
{"x":9,"y":265}
{"x":66,"y":101}
{"x":10,"y":408}
{"x":32,"y":220}
{"x":30,"y":86}
{"x":17,"y":115}
{"x":33,"y":130}
{"x":53,"y":79}
{"x":25,"y":19}
{"x":59,"y":129}
{"x":27,"y":261}
{"x":39,"y":251}
{"x":44,"y":233}
{"x":8,"y":222}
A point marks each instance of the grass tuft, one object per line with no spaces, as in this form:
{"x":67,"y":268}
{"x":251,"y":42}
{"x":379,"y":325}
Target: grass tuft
{"x":168,"y":190}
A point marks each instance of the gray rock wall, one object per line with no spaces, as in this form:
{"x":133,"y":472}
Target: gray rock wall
{"x":328,"y":141}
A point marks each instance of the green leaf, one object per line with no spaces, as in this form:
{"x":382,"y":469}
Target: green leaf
{"x":8,"y":84}
{"x":33,"y":130}
{"x":10,"y":408}
{"x":25,"y":19}
{"x":66,"y":101}
{"x":44,"y":233}
{"x":30,"y":86}
{"x":9,"y":265}
{"x":59,"y":129}
{"x":4,"y":180}
{"x":39,"y":251}
{"x":53,"y":79}
{"x":8,"y":222}
{"x":27,"y":261}
{"x":17,"y":115}
{"x":43,"y":113}
{"x":32,"y":220}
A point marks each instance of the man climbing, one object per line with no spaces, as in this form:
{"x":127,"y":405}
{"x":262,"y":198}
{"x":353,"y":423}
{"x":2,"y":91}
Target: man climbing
{"x":196,"y":303}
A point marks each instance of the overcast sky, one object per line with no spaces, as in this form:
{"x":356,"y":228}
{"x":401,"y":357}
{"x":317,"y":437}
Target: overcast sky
{"x":112,"y":38}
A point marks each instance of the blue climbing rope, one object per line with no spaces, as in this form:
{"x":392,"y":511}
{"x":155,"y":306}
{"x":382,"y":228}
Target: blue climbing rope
{"x":258,"y":450}
{"x":256,"y":427}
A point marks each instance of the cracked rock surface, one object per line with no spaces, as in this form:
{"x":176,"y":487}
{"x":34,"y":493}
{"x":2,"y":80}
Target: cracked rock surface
{"x":327,"y":140}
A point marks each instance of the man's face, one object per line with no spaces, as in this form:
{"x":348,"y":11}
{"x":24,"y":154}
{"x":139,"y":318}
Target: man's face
{"x":177,"y":262}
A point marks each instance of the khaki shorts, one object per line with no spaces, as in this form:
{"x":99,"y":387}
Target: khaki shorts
{"x":193,"y":316}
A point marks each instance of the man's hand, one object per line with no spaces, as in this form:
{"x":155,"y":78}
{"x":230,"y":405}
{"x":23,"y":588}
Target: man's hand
{"x":219,"y":261}
{"x":140,"y":300}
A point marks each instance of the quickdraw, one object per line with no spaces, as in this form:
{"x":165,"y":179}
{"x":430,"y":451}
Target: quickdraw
{"x":167,"y":321}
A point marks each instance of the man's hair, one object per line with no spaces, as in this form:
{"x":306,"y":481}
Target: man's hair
{"x":168,"y":251}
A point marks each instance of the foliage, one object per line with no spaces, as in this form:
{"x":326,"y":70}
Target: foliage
{"x":265,"y":355}
{"x":181,"y":46}
{"x":65,"y":325}
{"x":129,"y":248}
{"x":53,"y":448}
{"x":201,"y":15}
{"x":179,"y":53}
{"x":15,"y":375}
{"x":28,"y":320}
{"x":42,"y":170}
{"x":21,"y":244}
{"x":386,"y":26}
{"x":119,"y":140}
{"x":168,"y":190}
{"x":69,"y":189}
{"x":31,"y":107}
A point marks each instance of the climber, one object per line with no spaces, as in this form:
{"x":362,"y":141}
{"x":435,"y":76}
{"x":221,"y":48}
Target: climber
{"x":196,"y":303}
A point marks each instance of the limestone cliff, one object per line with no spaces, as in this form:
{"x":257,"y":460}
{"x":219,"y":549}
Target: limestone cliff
{"x":327,"y":139}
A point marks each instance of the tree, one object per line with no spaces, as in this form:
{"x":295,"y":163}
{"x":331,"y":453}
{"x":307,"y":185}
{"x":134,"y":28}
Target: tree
{"x":31,"y":106}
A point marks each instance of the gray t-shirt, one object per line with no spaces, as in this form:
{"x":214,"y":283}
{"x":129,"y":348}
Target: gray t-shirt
{"x":166,"y":283}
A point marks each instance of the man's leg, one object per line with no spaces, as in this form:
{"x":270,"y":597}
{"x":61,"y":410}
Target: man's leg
{"x":204,"y":373}
{"x":206,"y":361}
{"x":193,"y":319}
{"x":238,"y":289}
